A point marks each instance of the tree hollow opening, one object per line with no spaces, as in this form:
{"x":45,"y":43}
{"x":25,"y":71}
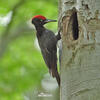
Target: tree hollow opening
{"x":75,"y":29}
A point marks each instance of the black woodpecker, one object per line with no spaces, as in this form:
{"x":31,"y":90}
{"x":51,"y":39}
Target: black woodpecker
{"x":47,"y":41}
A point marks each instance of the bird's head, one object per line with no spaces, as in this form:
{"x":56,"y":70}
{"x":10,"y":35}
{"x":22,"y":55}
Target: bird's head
{"x":40,"y":20}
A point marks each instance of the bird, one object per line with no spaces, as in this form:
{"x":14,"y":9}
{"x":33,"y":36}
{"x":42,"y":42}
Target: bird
{"x":47,"y":41}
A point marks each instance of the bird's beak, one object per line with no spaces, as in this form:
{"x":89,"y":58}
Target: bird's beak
{"x":49,"y":20}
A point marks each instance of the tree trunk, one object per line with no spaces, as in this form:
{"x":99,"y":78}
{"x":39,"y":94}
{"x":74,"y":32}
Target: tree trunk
{"x":80,"y":60}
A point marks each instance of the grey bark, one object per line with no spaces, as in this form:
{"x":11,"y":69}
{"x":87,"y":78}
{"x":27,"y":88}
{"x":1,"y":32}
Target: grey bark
{"x":80,"y":64}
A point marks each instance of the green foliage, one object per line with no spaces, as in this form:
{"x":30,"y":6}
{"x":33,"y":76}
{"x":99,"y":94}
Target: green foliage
{"x":22,"y":66}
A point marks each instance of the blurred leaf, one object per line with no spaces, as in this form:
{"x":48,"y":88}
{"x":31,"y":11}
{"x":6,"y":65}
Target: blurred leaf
{"x":22,"y":66}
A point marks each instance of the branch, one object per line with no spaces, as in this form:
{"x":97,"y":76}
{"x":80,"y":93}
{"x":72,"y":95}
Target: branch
{"x":5,"y":38}
{"x":8,"y":39}
{"x":14,"y":10}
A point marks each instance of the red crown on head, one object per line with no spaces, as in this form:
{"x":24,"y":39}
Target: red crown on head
{"x":39,"y":17}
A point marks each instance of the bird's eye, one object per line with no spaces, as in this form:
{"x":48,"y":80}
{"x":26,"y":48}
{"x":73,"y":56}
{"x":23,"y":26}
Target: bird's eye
{"x":41,"y":20}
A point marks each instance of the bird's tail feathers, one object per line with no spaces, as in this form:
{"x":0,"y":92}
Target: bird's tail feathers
{"x":55,"y":74}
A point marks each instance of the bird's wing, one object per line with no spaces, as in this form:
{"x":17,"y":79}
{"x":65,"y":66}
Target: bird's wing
{"x":50,"y":59}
